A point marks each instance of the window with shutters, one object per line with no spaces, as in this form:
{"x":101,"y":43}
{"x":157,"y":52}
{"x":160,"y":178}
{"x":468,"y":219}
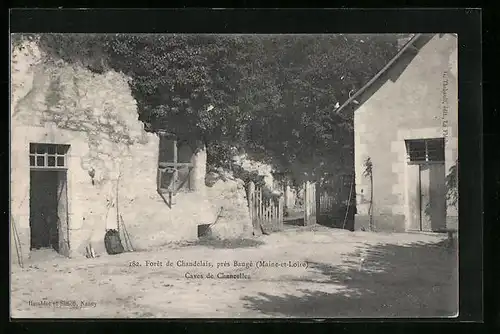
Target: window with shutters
{"x":174,"y":165}
{"x":425,"y":150}
{"x":48,"y":156}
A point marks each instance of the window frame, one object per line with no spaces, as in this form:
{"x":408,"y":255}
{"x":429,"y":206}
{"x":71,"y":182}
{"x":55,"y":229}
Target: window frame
{"x":172,"y":166}
{"x":34,"y":152}
{"x":425,"y":141}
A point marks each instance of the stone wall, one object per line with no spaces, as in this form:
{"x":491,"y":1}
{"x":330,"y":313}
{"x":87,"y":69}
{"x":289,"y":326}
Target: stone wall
{"x":421,"y":103}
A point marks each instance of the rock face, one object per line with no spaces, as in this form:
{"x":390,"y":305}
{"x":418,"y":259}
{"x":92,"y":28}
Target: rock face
{"x":229,"y":198}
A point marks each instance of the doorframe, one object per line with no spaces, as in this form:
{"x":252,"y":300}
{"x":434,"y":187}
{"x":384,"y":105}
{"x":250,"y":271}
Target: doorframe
{"x":398,"y":145}
{"x":61,"y":168}
{"x":420,"y":163}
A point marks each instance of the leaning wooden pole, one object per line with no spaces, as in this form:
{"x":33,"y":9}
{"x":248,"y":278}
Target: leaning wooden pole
{"x":17,"y":243}
{"x":116,"y":200}
{"x":371,"y":203}
{"x":126,"y":235}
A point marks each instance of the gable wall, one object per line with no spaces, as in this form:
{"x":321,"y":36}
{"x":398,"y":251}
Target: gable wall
{"x":421,"y":103}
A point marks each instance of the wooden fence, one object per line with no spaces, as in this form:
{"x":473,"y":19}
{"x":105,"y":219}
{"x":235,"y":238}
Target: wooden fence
{"x":266,"y":211}
{"x":319,"y":203}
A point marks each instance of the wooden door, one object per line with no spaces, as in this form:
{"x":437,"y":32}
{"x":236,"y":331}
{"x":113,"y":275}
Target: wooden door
{"x":43,"y":206}
{"x":413,"y":172}
{"x":425,"y":199}
{"x":432,"y":197}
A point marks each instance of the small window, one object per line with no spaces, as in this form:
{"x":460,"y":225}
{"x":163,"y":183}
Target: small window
{"x":425,"y":150}
{"x":48,"y":155}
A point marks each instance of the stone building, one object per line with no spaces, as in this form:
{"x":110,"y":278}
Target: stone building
{"x":406,"y":122}
{"x":81,"y":161}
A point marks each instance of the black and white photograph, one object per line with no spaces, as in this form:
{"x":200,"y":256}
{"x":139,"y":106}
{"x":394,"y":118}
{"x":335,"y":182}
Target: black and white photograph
{"x":180,"y":175}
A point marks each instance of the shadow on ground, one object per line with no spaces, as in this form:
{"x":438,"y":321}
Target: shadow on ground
{"x":225,"y":243}
{"x":414,"y":280}
{"x":293,"y":218}
{"x":337,"y":219}
{"x":293,"y":222}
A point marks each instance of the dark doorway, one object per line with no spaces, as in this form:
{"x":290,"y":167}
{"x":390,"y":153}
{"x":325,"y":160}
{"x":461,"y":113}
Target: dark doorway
{"x":47,"y":209}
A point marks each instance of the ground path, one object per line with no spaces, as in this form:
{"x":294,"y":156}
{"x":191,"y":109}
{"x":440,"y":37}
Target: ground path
{"x":348,"y":274}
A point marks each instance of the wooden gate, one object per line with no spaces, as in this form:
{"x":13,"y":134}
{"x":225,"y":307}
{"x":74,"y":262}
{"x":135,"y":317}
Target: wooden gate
{"x":336,"y":201}
{"x":310,"y":205}
{"x":266,"y":211}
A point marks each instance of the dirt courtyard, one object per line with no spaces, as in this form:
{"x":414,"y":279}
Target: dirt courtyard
{"x":313,"y":273}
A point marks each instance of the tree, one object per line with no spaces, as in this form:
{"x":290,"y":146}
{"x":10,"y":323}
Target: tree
{"x":310,"y":76}
{"x":175,"y":78}
{"x":272,"y":95}
{"x":368,"y":172}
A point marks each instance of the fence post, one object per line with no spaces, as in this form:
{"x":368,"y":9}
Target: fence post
{"x":280,"y":213}
{"x":259,"y":205}
{"x":251,"y":200}
{"x":306,"y":203}
{"x":268,"y":212}
{"x":286,"y":194}
{"x":317,"y":198}
{"x":314,"y":203}
{"x":264,"y":211}
{"x":275,"y":215}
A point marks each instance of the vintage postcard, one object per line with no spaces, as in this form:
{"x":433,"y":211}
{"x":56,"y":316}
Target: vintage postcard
{"x":234,"y":175}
